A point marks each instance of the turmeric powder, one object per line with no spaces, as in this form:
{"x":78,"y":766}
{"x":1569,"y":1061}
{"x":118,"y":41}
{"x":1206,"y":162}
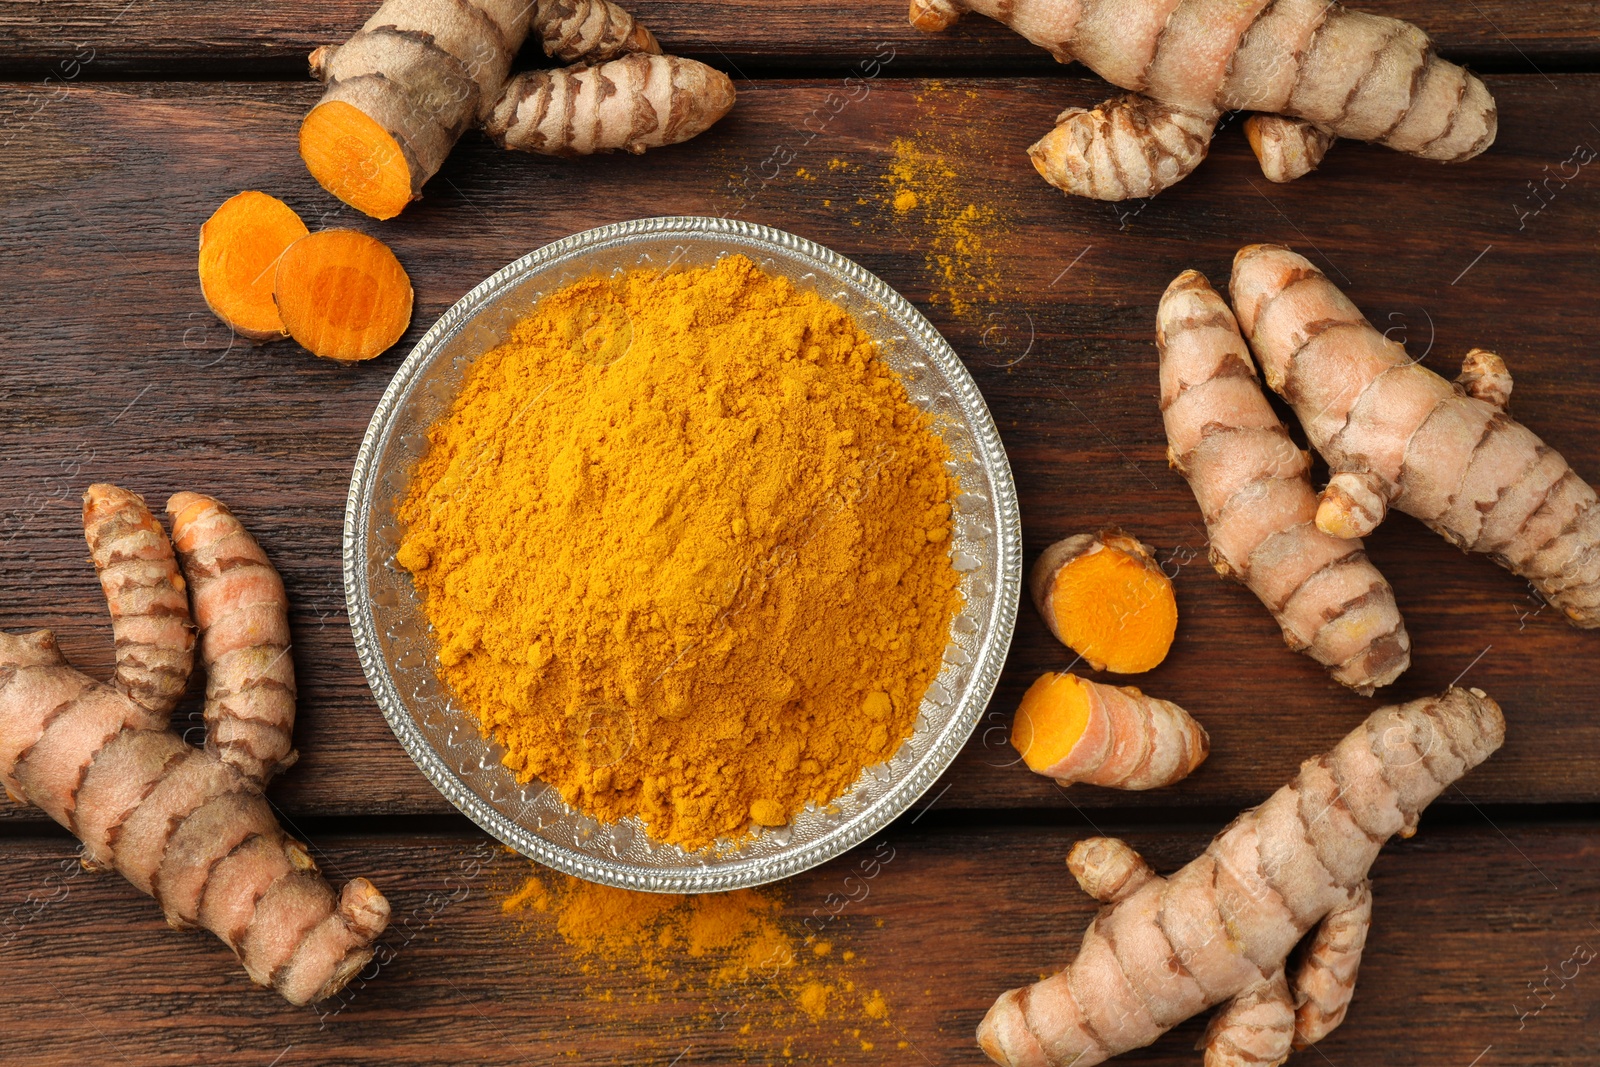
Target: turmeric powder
{"x":962,"y":226}
{"x":684,"y":543}
{"x":739,"y":964}
{"x":712,"y":939}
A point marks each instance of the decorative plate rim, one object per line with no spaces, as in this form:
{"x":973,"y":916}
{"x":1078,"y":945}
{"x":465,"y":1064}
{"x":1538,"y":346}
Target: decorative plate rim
{"x":756,"y":870}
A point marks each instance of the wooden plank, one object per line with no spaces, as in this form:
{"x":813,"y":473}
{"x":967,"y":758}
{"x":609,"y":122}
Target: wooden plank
{"x":1468,"y":924}
{"x":92,"y":39}
{"x":116,"y":370}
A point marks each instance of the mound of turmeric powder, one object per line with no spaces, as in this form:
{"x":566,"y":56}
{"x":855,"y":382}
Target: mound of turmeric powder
{"x":684,"y":543}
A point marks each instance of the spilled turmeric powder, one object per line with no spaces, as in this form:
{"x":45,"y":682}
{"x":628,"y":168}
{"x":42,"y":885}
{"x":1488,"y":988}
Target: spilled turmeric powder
{"x":684,"y":544}
{"x":736,"y":953}
{"x":732,"y":936}
{"x":931,"y":177}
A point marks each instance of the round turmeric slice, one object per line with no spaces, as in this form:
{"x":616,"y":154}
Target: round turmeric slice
{"x":239,"y":249}
{"x":343,"y":295}
{"x":1105,"y":597}
{"x":356,"y":159}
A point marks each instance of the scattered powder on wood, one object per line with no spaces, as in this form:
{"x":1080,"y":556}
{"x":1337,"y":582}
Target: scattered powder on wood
{"x":938,"y":176}
{"x":762,"y":976}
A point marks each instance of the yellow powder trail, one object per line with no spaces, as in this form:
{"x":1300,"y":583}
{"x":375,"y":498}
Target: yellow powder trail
{"x":937,"y":177}
{"x":764,"y":978}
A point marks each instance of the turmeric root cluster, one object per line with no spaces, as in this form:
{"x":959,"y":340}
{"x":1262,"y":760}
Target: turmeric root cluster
{"x":1220,"y":930}
{"x":1394,"y":433}
{"x":1312,"y":70}
{"x":341,"y":294}
{"x":1254,"y":488}
{"x":189,"y":826}
{"x":403,"y":90}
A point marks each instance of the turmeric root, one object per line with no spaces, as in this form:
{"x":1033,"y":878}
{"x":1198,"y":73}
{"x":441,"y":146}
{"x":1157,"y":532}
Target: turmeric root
{"x":239,"y":248}
{"x":591,"y":30}
{"x":1105,"y":597}
{"x":403,"y":90}
{"x":633,"y":103}
{"x":1129,"y":146}
{"x":1108,"y":869}
{"x":1354,"y":75}
{"x":1221,"y":927}
{"x":1286,"y":148}
{"x":1254,"y":488}
{"x":1326,"y":977}
{"x":243,"y":611}
{"x":1395,"y":433}
{"x":180,"y":823}
{"x":1075,"y":730}
{"x":1256,"y":1027}
{"x":149,"y":611}
{"x":1484,"y":375}
{"x":343,"y":295}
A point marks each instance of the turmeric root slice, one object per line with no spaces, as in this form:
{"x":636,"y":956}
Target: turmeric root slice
{"x":356,"y":159}
{"x":343,"y":295}
{"x":1105,"y":597}
{"x":1075,"y":730}
{"x":239,"y":248}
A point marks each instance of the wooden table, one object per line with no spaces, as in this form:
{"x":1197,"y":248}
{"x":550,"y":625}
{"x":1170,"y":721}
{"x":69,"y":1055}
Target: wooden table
{"x":126,"y":123}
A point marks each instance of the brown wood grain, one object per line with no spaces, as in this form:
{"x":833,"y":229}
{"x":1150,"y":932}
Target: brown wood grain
{"x":115,"y":370}
{"x":91,"y":39}
{"x":1474,"y":928}
{"x":111,"y":368}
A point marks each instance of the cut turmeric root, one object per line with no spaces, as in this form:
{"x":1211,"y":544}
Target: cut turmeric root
{"x":1105,"y":597}
{"x":420,"y":73}
{"x":343,"y":295}
{"x":1075,"y":730}
{"x":239,"y":248}
{"x":356,"y":159}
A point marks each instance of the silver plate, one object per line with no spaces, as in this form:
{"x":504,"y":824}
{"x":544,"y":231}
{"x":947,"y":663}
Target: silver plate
{"x":397,"y":649}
